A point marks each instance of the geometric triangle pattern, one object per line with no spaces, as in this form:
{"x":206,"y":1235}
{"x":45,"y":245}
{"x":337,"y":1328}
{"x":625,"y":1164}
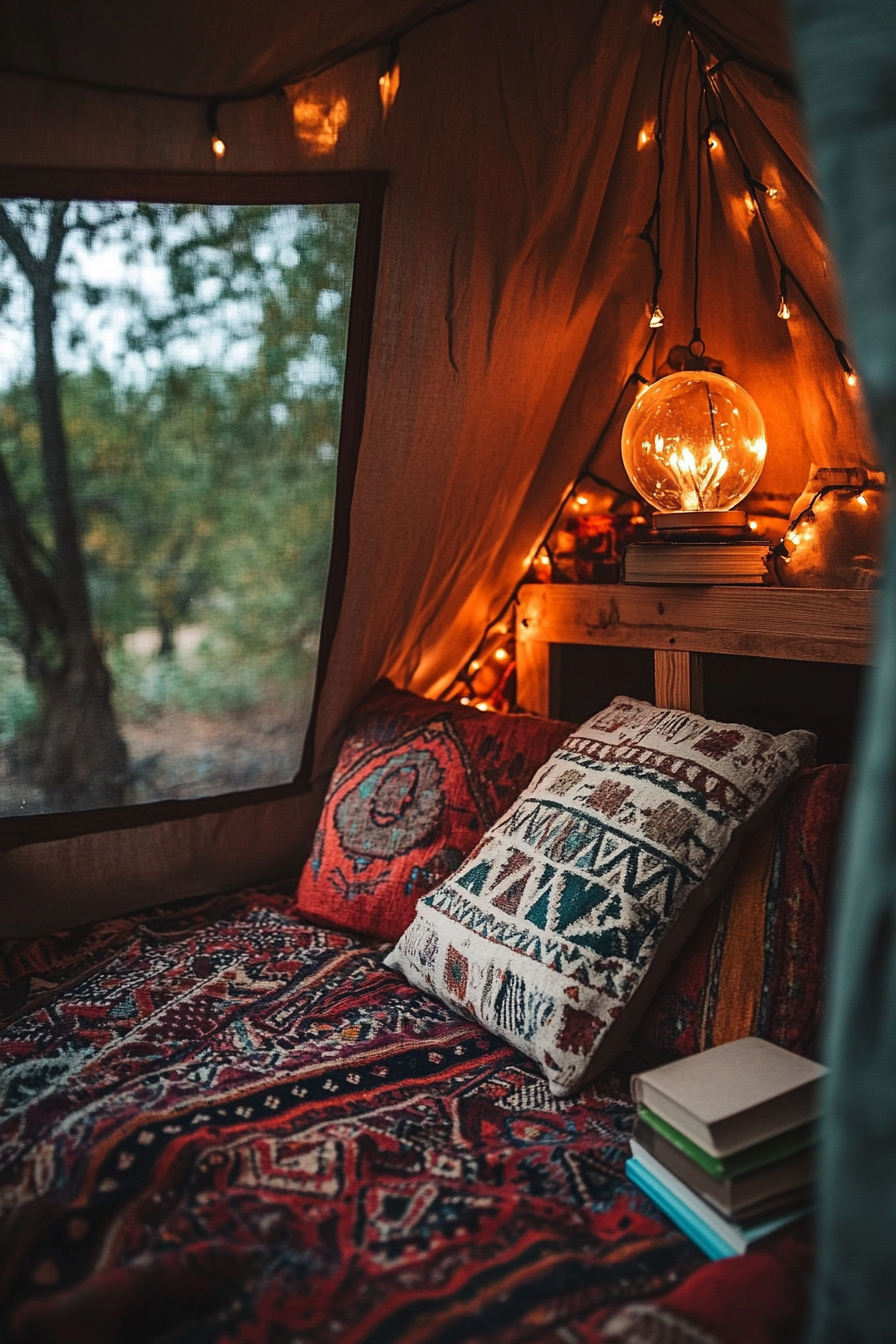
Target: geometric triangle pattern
{"x":593,"y":878}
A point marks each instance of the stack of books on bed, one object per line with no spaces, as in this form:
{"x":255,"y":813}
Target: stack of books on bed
{"x":724,"y":1142}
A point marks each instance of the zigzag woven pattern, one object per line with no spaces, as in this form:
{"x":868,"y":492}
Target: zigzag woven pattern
{"x":221,"y":1126}
{"x":549,"y":927}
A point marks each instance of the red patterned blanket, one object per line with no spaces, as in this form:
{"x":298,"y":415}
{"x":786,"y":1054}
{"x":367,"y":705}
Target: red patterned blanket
{"x":219,"y":1124}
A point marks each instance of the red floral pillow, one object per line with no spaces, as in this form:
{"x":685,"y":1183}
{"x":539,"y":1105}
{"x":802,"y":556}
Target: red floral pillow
{"x":417,"y":785}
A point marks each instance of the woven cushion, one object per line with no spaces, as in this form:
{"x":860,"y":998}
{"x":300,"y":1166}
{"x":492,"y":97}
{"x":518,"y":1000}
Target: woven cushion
{"x":417,"y":784}
{"x":754,"y":965}
{"x":558,"y":928}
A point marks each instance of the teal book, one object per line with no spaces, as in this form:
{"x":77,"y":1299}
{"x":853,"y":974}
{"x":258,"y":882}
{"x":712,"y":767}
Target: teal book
{"x":715,"y":1236}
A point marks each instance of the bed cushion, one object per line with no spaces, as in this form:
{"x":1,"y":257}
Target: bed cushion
{"x":558,"y":928}
{"x":222,"y":1124}
{"x":417,"y":784}
{"x":754,"y":966}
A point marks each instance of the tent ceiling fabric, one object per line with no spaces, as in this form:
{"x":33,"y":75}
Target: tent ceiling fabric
{"x":513,"y":284}
{"x":198,"y":47}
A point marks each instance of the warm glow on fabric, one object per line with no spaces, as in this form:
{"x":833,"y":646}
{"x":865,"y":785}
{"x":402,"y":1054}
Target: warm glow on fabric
{"x":318,"y":124}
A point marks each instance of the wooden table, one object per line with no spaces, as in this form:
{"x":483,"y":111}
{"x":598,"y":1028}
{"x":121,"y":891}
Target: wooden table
{"x":681,"y":623}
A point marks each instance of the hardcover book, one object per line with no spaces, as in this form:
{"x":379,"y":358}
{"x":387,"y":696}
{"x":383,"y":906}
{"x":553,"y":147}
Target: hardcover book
{"x":716,"y":1236}
{"x":752,"y":1194}
{"x":748,"y":1159}
{"x":695,"y":562}
{"x":735,"y":1095}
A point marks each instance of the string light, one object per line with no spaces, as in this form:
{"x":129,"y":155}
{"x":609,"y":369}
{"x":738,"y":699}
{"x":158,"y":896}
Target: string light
{"x":501,"y":655}
{"x":750,"y":203}
{"x":390,"y":78}
{"x":644,"y":137}
{"x":783,"y":310}
{"x":582,"y":500}
{"x":656,"y":318}
{"x":852,"y":377}
{"x":657,"y":18}
{"x":219,"y":149}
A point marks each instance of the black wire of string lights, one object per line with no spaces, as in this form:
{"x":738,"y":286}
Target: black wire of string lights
{"x":709,"y":121}
{"x":275,"y":88}
{"x":760,"y":193}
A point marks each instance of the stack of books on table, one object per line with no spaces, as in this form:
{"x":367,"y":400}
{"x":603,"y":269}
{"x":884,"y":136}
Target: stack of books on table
{"x":695,"y":562}
{"x":724,"y":1142}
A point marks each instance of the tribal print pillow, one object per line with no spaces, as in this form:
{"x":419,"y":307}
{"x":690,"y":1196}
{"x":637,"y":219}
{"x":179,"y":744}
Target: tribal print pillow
{"x":558,"y":928}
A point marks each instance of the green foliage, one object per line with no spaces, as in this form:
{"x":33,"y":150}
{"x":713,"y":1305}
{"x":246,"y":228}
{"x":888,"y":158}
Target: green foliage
{"x":204,"y":485}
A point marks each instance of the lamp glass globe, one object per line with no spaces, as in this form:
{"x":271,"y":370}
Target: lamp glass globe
{"x":694,"y":441}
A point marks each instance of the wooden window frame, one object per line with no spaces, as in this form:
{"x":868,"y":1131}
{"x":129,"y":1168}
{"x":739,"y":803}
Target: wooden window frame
{"x":367,"y":191}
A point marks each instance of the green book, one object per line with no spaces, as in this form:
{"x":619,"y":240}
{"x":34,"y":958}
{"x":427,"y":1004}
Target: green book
{"x":748,"y":1159}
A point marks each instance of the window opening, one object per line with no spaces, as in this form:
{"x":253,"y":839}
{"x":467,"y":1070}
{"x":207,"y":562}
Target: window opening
{"x":171,"y":393}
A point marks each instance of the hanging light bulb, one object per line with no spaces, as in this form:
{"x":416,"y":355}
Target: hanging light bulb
{"x":771,"y":192}
{"x":783,"y":310}
{"x":693,"y":444}
{"x":656,"y":318}
{"x":712,"y":141}
{"x":852,"y":378}
{"x":657,"y":18}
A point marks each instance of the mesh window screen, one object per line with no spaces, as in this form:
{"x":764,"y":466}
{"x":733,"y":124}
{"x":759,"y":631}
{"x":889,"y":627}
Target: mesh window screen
{"x":171,"y":382}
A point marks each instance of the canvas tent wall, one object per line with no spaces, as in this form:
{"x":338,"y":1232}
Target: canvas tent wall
{"x":511,"y":303}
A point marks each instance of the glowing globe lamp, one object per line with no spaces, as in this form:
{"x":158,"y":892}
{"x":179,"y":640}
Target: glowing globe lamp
{"x":693,"y":445}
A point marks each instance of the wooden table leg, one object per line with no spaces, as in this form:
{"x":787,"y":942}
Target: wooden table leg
{"x":533,"y":676}
{"x":678,"y":679}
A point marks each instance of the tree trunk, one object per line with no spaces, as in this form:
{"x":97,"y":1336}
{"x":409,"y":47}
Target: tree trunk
{"x":77,"y":756}
{"x":82,"y":758}
{"x":167,"y":628}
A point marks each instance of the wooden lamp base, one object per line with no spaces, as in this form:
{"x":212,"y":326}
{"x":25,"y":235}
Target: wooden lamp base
{"x":701,"y":525}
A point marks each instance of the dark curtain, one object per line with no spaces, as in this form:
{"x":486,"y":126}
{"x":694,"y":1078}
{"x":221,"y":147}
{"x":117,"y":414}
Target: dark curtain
{"x":846,"y":52}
